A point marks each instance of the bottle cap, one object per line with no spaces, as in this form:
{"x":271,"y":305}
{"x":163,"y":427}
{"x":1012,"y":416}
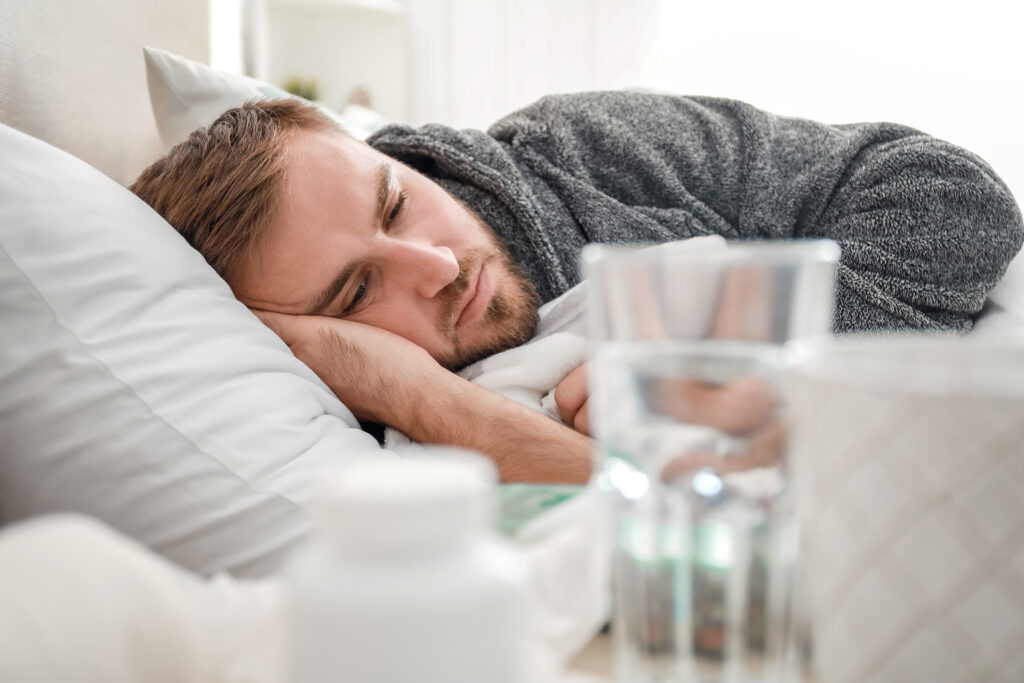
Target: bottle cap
{"x":429,"y":500}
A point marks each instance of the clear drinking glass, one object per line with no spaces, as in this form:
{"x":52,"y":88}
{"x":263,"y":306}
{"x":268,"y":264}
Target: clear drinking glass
{"x":689,"y":343}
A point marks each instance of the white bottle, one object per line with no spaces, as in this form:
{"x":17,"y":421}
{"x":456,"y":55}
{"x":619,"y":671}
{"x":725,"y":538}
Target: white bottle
{"x":405,"y":581}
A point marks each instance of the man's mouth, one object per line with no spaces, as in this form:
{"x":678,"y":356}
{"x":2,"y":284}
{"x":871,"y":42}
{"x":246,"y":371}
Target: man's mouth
{"x":478,"y":295}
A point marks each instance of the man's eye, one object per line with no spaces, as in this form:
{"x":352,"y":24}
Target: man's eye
{"x":357,"y":296}
{"x":397,"y":209}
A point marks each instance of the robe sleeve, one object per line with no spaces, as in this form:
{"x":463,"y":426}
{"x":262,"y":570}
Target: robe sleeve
{"x":926,"y":228}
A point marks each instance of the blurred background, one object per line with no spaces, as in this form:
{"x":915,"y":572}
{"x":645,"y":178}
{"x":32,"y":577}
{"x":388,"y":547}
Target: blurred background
{"x":951,"y":69}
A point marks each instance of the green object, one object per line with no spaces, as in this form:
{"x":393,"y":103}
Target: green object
{"x":520,"y":503}
{"x":305,"y":88}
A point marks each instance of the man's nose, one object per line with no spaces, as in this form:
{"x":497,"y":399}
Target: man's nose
{"x":430,"y":267}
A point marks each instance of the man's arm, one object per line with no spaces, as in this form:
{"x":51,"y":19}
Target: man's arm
{"x":926,"y":228}
{"x":524,"y":444}
{"x":382,"y":377}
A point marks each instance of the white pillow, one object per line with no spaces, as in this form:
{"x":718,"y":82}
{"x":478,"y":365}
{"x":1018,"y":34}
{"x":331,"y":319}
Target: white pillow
{"x":186,"y":95}
{"x":135,"y":388}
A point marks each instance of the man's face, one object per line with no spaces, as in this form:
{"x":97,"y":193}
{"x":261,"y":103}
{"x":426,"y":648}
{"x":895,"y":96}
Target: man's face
{"x":362,"y":237}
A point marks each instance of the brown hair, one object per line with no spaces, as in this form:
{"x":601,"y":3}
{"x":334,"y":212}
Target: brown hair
{"x":221,"y":187}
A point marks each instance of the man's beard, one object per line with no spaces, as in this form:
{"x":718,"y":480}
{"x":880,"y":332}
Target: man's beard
{"x":511,"y":315}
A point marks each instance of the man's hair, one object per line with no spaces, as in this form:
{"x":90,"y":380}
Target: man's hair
{"x":221,"y":187}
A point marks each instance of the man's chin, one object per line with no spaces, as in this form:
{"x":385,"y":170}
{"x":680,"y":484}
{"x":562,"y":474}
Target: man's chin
{"x":511,"y":316}
{"x":465,"y":359}
{"x":513,"y":333}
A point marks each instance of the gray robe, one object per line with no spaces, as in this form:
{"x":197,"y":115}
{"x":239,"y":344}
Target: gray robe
{"x":926,"y":228}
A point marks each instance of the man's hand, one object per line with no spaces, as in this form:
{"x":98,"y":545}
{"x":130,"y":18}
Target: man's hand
{"x":383,"y":377}
{"x":746,"y":407}
{"x":375,"y":373}
{"x":737,"y":407}
{"x":571,"y":397}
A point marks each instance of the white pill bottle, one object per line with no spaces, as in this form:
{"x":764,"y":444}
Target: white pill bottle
{"x":405,"y":581}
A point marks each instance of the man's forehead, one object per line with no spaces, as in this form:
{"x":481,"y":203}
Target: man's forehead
{"x":336,"y":190}
{"x":308,"y":148}
{"x":325,"y":172}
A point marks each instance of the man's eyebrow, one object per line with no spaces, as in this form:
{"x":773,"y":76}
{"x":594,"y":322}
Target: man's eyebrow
{"x":329,"y":293}
{"x":384,"y":180}
{"x":385,"y":177}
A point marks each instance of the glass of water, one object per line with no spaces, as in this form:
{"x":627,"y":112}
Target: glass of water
{"x":689,"y":343}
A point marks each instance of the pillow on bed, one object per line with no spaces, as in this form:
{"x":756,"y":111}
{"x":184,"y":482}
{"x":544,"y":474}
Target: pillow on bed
{"x":186,"y":95}
{"x":136,"y":389}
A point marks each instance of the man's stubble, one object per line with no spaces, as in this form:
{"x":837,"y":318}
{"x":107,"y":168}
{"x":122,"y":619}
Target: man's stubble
{"x":512,"y":314}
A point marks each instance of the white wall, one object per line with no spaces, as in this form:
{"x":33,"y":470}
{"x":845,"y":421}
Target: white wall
{"x":343,"y":45}
{"x":475,"y":60}
{"x":72,"y":73}
{"x":340,"y":44}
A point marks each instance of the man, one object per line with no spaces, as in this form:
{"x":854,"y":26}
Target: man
{"x":379,"y":264}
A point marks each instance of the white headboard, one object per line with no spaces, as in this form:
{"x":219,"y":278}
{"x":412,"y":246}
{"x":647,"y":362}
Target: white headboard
{"x":72,"y":73}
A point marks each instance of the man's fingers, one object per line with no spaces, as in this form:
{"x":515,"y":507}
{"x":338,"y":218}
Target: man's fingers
{"x":581,"y":423}
{"x":736,"y":408}
{"x":763,"y":448}
{"x":571,"y":395}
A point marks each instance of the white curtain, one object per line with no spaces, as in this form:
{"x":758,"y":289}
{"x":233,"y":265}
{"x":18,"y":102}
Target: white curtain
{"x":473,"y":61}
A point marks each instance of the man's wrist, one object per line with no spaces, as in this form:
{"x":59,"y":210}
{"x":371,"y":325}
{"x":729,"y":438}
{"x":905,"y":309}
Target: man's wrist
{"x":524,"y":444}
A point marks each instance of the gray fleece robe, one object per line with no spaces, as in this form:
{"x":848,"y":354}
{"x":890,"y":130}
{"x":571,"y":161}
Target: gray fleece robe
{"x":926,"y":228}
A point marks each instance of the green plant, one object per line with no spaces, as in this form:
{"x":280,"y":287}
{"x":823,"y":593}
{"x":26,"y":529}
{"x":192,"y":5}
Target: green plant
{"x":301,"y":87}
